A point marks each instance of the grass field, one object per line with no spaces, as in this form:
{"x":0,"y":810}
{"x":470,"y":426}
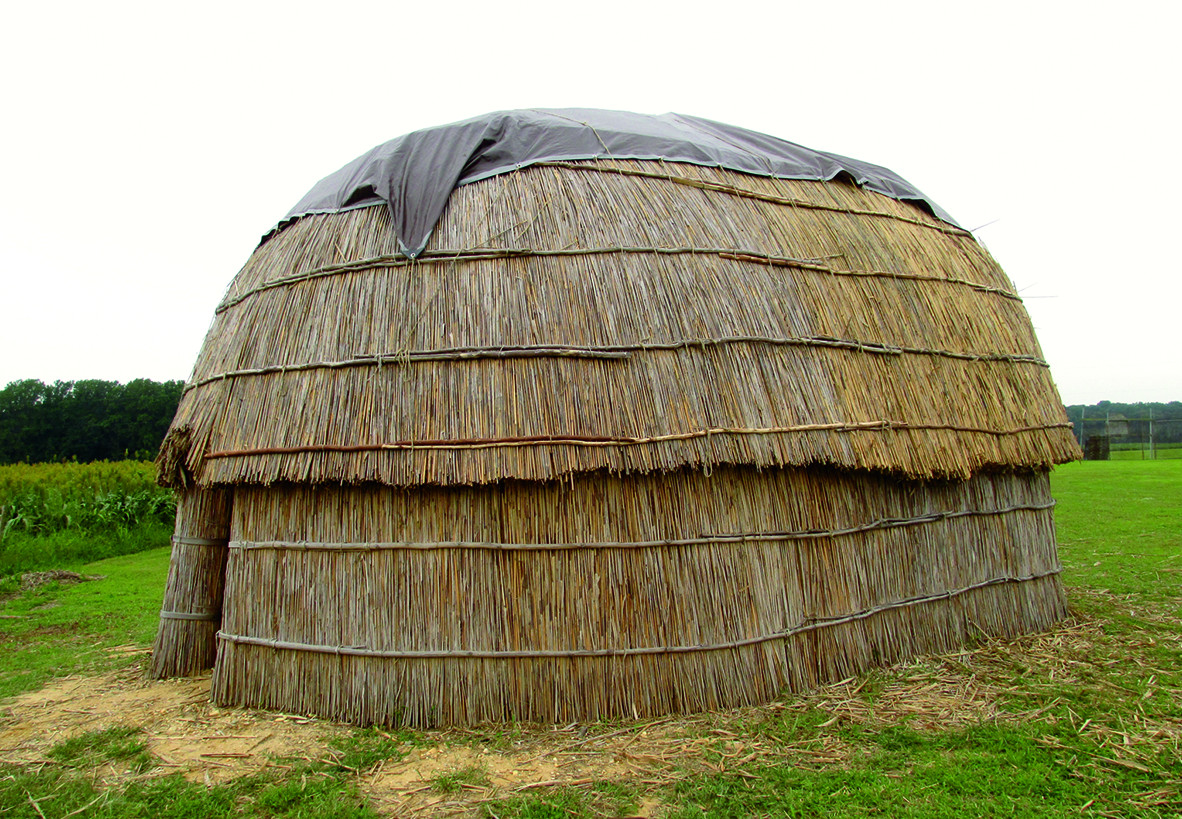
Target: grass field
{"x":1083,"y":721}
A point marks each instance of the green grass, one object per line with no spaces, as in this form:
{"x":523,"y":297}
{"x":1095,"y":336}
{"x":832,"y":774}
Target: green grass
{"x":988,"y":770}
{"x":119,"y":744}
{"x":598,"y":799}
{"x":74,"y":548}
{"x":1124,"y":451}
{"x":1084,"y":722}
{"x":68,"y":629}
{"x":298,"y":790}
{"x":1119,"y":525}
{"x":365,"y":748}
{"x":991,"y":769}
{"x":454,"y":781}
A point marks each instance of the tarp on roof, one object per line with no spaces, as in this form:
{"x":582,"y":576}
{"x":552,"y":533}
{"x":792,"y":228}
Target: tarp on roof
{"x":416,"y":173}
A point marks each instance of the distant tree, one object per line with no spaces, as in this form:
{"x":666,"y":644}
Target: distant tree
{"x":24,"y":421}
{"x":87,"y":420}
{"x":84,"y":420}
{"x":146,"y":410}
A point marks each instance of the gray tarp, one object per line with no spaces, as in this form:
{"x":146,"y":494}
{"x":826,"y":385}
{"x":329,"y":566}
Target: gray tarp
{"x":415,"y":174}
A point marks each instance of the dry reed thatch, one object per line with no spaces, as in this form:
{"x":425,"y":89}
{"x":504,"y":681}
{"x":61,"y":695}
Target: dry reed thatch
{"x":775,"y":331}
{"x":616,"y":596}
{"x":629,"y":438}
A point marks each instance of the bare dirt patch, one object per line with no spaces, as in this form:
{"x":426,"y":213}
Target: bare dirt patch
{"x":491,"y":766}
{"x":180,"y":726}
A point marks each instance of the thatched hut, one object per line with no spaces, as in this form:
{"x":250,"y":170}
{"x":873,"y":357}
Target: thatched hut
{"x":561,"y":415}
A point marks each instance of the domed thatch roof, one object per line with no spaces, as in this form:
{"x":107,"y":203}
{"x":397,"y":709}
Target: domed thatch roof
{"x":606,"y":313}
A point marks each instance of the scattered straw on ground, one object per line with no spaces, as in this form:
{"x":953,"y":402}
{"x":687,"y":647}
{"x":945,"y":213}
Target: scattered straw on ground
{"x":181,"y":728}
{"x":35,"y":580}
{"x":454,"y":772}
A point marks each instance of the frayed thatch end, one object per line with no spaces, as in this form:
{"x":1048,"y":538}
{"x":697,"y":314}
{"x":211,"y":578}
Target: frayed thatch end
{"x":171,"y":462}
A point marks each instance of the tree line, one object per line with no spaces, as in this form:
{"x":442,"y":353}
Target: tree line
{"x":85,"y":420}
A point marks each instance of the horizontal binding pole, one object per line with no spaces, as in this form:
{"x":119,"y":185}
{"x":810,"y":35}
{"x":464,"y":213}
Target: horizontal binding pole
{"x":786,"y":261}
{"x":189,"y":615}
{"x":198,"y":541}
{"x":812,"y":534}
{"x":362,"y":651}
{"x":485,"y":254}
{"x":593,"y":441}
{"x":417,"y":356}
{"x":609,"y":352}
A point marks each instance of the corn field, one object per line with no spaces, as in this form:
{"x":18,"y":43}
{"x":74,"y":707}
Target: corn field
{"x":59,"y":515}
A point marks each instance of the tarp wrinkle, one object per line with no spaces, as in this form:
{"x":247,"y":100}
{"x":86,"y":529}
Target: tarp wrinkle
{"x":415,"y":174}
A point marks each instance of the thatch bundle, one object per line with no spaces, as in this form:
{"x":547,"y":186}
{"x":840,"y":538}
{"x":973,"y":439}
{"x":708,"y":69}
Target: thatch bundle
{"x":629,"y":437}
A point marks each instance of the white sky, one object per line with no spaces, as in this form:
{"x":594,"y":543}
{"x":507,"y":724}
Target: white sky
{"x":146,"y":147}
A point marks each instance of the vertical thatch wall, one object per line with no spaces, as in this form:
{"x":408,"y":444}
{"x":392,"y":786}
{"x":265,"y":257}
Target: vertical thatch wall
{"x":616,"y":597}
{"x":192,"y":612}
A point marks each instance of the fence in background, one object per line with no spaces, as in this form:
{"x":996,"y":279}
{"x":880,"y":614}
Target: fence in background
{"x":1114,"y":437}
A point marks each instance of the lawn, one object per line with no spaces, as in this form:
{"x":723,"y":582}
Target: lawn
{"x":1120,"y":527}
{"x":58,"y":629}
{"x":1085,"y":720}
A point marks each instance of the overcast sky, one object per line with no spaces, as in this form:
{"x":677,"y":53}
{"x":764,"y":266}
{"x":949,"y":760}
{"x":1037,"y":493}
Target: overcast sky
{"x":146,"y":147}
